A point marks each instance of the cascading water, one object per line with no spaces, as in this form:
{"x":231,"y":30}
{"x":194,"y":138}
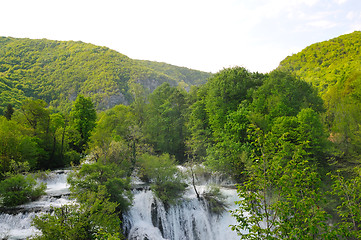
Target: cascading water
{"x":147,"y":219}
{"x":191,"y":218}
{"x":16,"y":224}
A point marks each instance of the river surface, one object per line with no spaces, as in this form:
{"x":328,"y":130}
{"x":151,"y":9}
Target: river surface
{"x":147,"y":219}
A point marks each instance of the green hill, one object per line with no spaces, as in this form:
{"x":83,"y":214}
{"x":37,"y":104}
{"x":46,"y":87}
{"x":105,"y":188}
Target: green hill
{"x":57,"y":71}
{"x":183,"y":75}
{"x":326,"y":63}
{"x":334,"y":67}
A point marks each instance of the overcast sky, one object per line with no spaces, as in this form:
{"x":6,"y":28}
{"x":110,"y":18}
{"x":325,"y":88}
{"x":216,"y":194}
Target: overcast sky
{"x":206,"y":35}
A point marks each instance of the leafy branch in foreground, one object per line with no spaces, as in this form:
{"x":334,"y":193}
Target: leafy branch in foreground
{"x":281,"y":197}
{"x":349,"y":193}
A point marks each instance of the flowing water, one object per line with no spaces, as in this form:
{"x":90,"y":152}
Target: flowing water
{"x":16,"y":223}
{"x":191,"y":218}
{"x":147,"y":219}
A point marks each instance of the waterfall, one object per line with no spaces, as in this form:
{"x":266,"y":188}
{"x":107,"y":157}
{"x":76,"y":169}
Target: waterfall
{"x":147,"y":219}
{"x":190,"y":218}
{"x":16,"y":223}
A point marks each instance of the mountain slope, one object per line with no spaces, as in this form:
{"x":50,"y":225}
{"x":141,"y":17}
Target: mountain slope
{"x":57,"y":71}
{"x":326,"y":63}
{"x":182,"y":74}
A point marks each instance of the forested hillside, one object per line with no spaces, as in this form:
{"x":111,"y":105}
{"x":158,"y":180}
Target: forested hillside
{"x":58,"y":71}
{"x":185,"y":76}
{"x":326,"y":63}
{"x":334,"y":68}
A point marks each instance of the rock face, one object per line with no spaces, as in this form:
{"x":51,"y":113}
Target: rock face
{"x":112,"y":100}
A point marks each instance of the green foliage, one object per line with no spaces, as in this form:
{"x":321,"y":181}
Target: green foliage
{"x":218,"y":120}
{"x":19,"y":189}
{"x":232,"y":148}
{"x":284,"y":94}
{"x":304,"y":129}
{"x":117,"y":138}
{"x":226,"y":90}
{"x":215,"y":199}
{"x":166,"y":180}
{"x":348,"y":190}
{"x":9,"y":111}
{"x":343,"y":116}
{"x":58,"y":71}
{"x":164,"y":126}
{"x":198,"y":125}
{"x":96,"y":218}
{"x":326,"y":63}
{"x":83,"y":116}
{"x":280,"y":201}
{"x":180,"y":74}
{"x":91,"y":177}
{"x":15,"y":145}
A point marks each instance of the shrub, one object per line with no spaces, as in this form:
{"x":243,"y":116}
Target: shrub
{"x":166,"y":181}
{"x":20,"y":189}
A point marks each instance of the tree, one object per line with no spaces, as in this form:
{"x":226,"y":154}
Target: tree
{"x":283,"y":94}
{"x":348,"y":191}
{"x":36,"y":116}
{"x":9,"y":111}
{"x":199,"y":137}
{"x":117,"y":138}
{"x":226,"y":91}
{"x":165,"y":123}
{"x":83,"y":116}
{"x":280,"y":199}
{"x":90,"y":177}
{"x":164,"y":176}
{"x":96,"y":218}
{"x":230,"y":152}
{"x":16,"y":146}
{"x":19,"y":189}
{"x":304,"y":129}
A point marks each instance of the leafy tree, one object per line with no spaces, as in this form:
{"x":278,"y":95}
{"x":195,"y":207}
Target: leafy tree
{"x":348,"y":190}
{"x":199,"y":137}
{"x":90,"y":177}
{"x":96,"y":218}
{"x":283,"y":94}
{"x":230,"y":153}
{"x":35,"y":116}
{"x":9,"y":111}
{"x":16,"y":146}
{"x":304,"y":129}
{"x":226,"y":90}
{"x":280,"y":201}
{"x":83,"y":116}
{"x":343,"y":116}
{"x":117,"y":138}
{"x":164,"y":176}
{"x":19,"y":189}
{"x":165,"y":123}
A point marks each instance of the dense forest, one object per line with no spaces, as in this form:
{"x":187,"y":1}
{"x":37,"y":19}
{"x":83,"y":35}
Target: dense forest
{"x":58,"y":71}
{"x":289,"y":138}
